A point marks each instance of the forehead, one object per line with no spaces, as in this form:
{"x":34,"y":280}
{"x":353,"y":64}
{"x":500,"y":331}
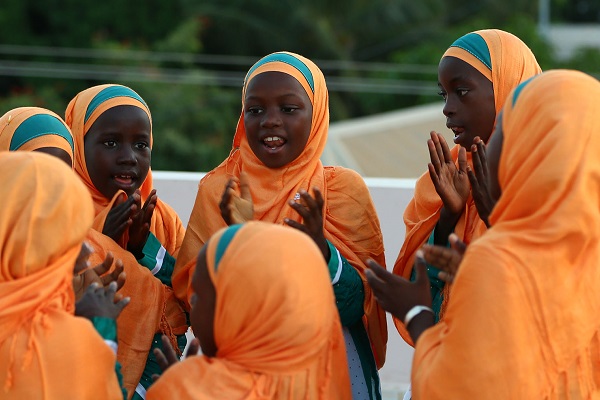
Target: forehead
{"x":122,"y":117}
{"x":275,"y":84}
{"x":452,"y":69}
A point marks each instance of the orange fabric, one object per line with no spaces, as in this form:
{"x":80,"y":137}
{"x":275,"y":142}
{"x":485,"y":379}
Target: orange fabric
{"x":11,"y":120}
{"x":153,"y":306}
{"x":512,"y":63}
{"x":523,"y":321}
{"x":350,"y":220}
{"x":46,"y":352}
{"x":276,"y":326}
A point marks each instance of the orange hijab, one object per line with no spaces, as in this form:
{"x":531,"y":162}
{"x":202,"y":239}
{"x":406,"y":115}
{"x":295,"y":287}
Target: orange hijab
{"x":46,"y":352}
{"x":33,"y":128}
{"x":153,"y":307}
{"x":350,"y":220}
{"x":510,"y":63}
{"x":523,"y":321}
{"x":81,"y":114}
{"x":276,"y":326}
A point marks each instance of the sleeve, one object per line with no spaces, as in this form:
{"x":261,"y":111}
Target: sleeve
{"x":107,"y":329}
{"x":347,"y":287}
{"x":157,"y":259}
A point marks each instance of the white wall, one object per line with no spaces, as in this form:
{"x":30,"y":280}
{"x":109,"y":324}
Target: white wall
{"x":390,"y":196}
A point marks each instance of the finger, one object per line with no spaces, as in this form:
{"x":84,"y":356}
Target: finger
{"x":105,"y":265}
{"x":377,"y":285}
{"x":421,"y":269}
{"x":438,"y":147}
{"x":310,"y":203}
{"x":377,"y":269}
{"x":462,"y":159}
{"x":433,"y":155}
{"x":445,"y":149}
{"x":111,"y":289}
{"x":121,"y":280}
{"x":296,"y":225}
{"x":193,"y":348}
{"x":245,"y":186}
{"x":318,"y":198}
{"x":445,"y":277}
{"x":477,"y":165}
{"x":168,"y":350}
{"x":473,"y":181}
{"x":438,"y":256}
{"x":433,"y":174}
{"x":152,"y":198}
{"x":457,"y":244}
{"x":82,"y":263}
{"x":300,"y":209}
{"x":155,"y":377}
{"x":483,"y":157}
{"x":161,"y":359}
{"x":122,"y":303}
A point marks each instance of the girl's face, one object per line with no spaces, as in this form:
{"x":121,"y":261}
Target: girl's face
{"x":203,"y":301}
{"x":117,"y":150}
{"x":470,"y":109}
{"x":277,"y":117}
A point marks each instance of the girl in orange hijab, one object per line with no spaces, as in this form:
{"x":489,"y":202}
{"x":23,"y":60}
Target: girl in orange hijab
{"x":279,"y":138}
{"x":46,"y":352}
{"x":475,"y":75}
{"x":523,"y":320}
{"x":36,"y":129}
{"x":264,"y":312}
{"x":112,"y":130}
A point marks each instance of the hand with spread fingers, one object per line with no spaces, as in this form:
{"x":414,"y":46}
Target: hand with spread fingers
{"x":451,"y":183}
{"x":236,"y":203}
{"x":99,"y":301}
{"x":446,"y":259}
{"x":398,"y":296}
{"x":479,"y":181}
{"x":140,"y":223}
{"x":167,"y":356}
{"x":311,"y":211}
{"x":119,"y":217}
{"x":84,"y":275}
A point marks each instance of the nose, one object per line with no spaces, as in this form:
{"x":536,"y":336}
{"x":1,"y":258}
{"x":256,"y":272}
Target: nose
{"x":449,"y":106}
{"x":270,"y":119}
{"x":126,"y":156}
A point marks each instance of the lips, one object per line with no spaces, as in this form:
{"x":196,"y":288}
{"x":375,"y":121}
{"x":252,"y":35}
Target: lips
{"x":457,"y":130}
{"x":125,"y":180}
{"x":273,"y":143}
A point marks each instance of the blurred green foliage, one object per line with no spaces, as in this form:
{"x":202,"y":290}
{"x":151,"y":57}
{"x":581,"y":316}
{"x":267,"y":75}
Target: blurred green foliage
{"x":161,"y":49}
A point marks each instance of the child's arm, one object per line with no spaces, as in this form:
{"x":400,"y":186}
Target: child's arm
{"x":157,"y":259}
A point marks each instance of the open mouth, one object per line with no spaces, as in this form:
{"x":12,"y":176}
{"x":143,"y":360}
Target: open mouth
{"x":458,"y":131}
{"x":124,"y":180}
{"x":274,"y":143}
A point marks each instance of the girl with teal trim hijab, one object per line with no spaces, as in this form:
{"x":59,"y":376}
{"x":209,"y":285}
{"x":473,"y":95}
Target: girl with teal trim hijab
{"x":36,"y":129}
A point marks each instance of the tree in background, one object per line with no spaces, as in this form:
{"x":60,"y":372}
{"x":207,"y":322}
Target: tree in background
{"x":188,"y":58}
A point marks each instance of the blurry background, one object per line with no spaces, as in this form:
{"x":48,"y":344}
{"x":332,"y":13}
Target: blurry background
{"x":188,"y":58}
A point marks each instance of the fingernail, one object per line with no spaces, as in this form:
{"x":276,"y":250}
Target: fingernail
{"x":420,"y":254}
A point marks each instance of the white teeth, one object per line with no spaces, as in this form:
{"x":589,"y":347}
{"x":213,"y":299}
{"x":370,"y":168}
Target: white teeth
{"x":272,"y":138}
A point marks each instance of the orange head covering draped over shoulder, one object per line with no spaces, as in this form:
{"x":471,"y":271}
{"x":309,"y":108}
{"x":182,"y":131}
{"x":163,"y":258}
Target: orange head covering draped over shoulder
{"x":350,"y":220}
{"x":153,"y":307}
{"x":33,"y":128}
{"x":523,"y":320}
{"x":275,"y":326}
{"x":46,"y":351}
{"x":506,"y":61}
{"x":81,"y":114}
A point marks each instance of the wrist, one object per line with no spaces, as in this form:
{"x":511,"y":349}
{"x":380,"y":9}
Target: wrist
{"x":414,"y":311}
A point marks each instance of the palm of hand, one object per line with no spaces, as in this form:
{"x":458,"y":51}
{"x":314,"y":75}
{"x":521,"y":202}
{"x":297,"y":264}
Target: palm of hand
{"x":242,"y":210}
{"x":453,"y":187}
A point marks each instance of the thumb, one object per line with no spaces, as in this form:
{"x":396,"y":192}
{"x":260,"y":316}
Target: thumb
{"x":457,"y":244}
{"x":245,"y":186}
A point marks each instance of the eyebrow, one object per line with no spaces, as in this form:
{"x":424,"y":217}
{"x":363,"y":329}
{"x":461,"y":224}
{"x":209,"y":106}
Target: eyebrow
{"x":279,"y":97}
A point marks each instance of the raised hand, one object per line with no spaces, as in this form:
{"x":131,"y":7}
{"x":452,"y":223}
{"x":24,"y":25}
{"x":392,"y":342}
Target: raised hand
{"x":236,"y":203}
{"x":119,"y":217}
{"x":167,"y":357}
{"x":451,"y":184}
{"x":140,"y":222}
{"x":84,"y":276}
{"x":479,"y":181}
{"x":446,"y":259}
{"x":99,"y":301}
{"x":311,"y":211}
